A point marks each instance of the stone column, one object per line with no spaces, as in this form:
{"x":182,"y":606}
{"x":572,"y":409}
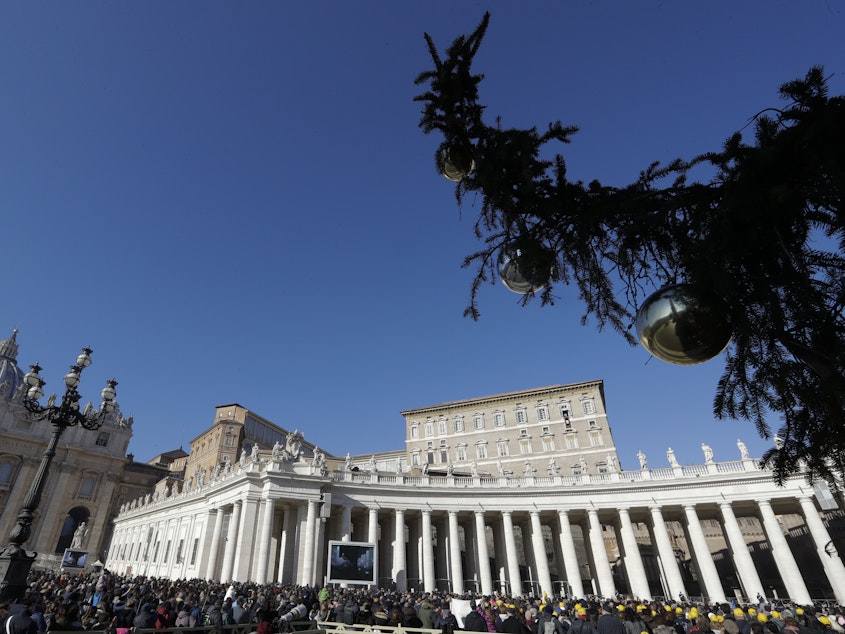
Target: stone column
{"x":441,"y":555}
{"x":17,"y":490}
{"x":231,"y":543}
{"x":745,"y":569}
{"x":570,"y":557}
{"x":308,"y":544}
{"x":264,"y":540}
{"x":511,"y":554}
{"x":246,"y":541}
{"x":372,"y":526}
{"x":674,"y":580}
{"x":824,"y":547}
{"x":540,"y":556}
{"x":602,"y":573}
{"x":400,"y":572}
{"x":703,"y":558}
{"x":286,"y":572}
{"x":456,"y":570}
{"x":789,"y":572}
{"x":483,"y":554}
{"x":633,"y":560}
{"x":428,"y":553}
{"x":346,"y":524}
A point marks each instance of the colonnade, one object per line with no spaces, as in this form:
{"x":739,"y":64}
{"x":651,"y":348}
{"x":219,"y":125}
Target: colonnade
{"x":536,"y":548}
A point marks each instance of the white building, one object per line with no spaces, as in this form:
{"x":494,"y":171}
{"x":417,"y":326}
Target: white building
{"x":553,"y":515}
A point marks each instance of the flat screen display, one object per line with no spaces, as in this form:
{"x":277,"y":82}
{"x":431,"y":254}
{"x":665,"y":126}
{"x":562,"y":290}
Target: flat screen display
{"x":352,"y":562}
{"x":74,"y":558}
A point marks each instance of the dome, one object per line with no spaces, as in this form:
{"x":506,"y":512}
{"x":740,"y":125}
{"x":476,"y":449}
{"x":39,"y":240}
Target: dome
{"x":10,"y":374}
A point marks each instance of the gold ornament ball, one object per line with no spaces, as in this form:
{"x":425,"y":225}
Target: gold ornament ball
{"x":456,"y":164}
{"x":684,"y":324}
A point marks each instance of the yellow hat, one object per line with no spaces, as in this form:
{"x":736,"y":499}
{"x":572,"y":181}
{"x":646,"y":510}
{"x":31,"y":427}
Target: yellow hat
{"x":679,"y":610}
{"x":775,"y":614}
{"x":620,"y":607}
{"x":693,"y":613}
{"x":752,"y":611}
{"x":640,"y":608}
{"x":577,"y":606}
{"x":738,"y":612}
{"x":654,"y":612}
{"x":762,"y":618}
{"x":799,"y":610}
{"x":824,"y":620}
{"x":580,"y":611}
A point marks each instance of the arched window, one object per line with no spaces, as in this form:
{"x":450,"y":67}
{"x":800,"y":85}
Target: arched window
{"x":74,"y":518}
{"x":7,"y":470}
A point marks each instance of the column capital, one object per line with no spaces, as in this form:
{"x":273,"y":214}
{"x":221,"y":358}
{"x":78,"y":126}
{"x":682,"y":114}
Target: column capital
{"x":724,"y":504}
{"x":479,"y":513}
{"x":764,"y":502}
{"x":689,"y":506}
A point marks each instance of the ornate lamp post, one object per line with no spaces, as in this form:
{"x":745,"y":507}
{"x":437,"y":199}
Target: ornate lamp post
{"x":15,"y":562}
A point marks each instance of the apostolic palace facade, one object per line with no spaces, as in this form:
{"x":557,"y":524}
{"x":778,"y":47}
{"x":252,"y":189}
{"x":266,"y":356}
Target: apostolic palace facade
{"x":519,"y":492}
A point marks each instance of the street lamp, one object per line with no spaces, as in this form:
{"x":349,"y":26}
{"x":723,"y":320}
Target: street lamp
{"x":15,"y":562}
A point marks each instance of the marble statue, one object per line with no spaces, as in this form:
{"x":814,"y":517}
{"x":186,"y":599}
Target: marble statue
{"x":643,"y":460}
{"x":611,"y":463}
{"x":670,"y":456}
{"x":79,"y":536}
{"x":254,"y":453}
{"x":242,"y":461}
{"x":552,"y":467}
{"x":708,"y":453}
{"x":474,"y":469}
{"x":743,"y":449}
{"x":277,"y":451}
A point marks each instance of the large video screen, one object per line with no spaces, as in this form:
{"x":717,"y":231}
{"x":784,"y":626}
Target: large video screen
{"x":74,"y":558}
{"x":352,"y":563}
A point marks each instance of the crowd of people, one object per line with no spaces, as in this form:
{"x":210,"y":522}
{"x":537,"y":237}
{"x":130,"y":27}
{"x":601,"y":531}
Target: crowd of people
{"x":115,"y":604}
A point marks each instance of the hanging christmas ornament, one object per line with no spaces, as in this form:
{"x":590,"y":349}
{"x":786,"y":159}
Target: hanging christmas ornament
{"x":455,"y":162}
{"x":684,"y":324}
{"x":525,"y":267}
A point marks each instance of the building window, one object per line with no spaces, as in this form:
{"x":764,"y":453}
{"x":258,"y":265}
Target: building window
{"x":102,"y":439}
{"x":228,"y":440}
{"x":461,"y":453}
{"x":525,"y":446}
{"x":195,"y":550}
{"x":567,"y":425}
{"x":441,"y":427}
{"x":571,"y":441}
{"x":179,"y":554}
{"x":481,"y":451}
{"x":415,"y":431}
{"x":478,"y":421}
{"x":502,"y":447}
{"x":548,"y":443}
{"x":429,"y":429}
{"x":499,"y":419}
{"x":601,"y":467}
{"x":595,"y":439}
{"x":166,"y":552}
{"x":415,"y":459}
{"x":520,"y":416}
{"x":542,"y":413}
{"x":444,"y":455}
{"x":564,"y":410}
{"x":546,"y":429}
{"x":6,"y":471}
{"x":592,"y":425}
{"x":459,"y":423}
{"x":87,"y":489}
{"x":523,"y":433}
{"x":589,"y":406}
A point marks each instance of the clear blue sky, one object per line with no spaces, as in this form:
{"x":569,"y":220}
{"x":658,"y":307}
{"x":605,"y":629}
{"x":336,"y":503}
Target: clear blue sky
{"x":232,"y":201}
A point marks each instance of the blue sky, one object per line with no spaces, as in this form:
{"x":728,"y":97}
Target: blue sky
{"x":232,"y":202}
